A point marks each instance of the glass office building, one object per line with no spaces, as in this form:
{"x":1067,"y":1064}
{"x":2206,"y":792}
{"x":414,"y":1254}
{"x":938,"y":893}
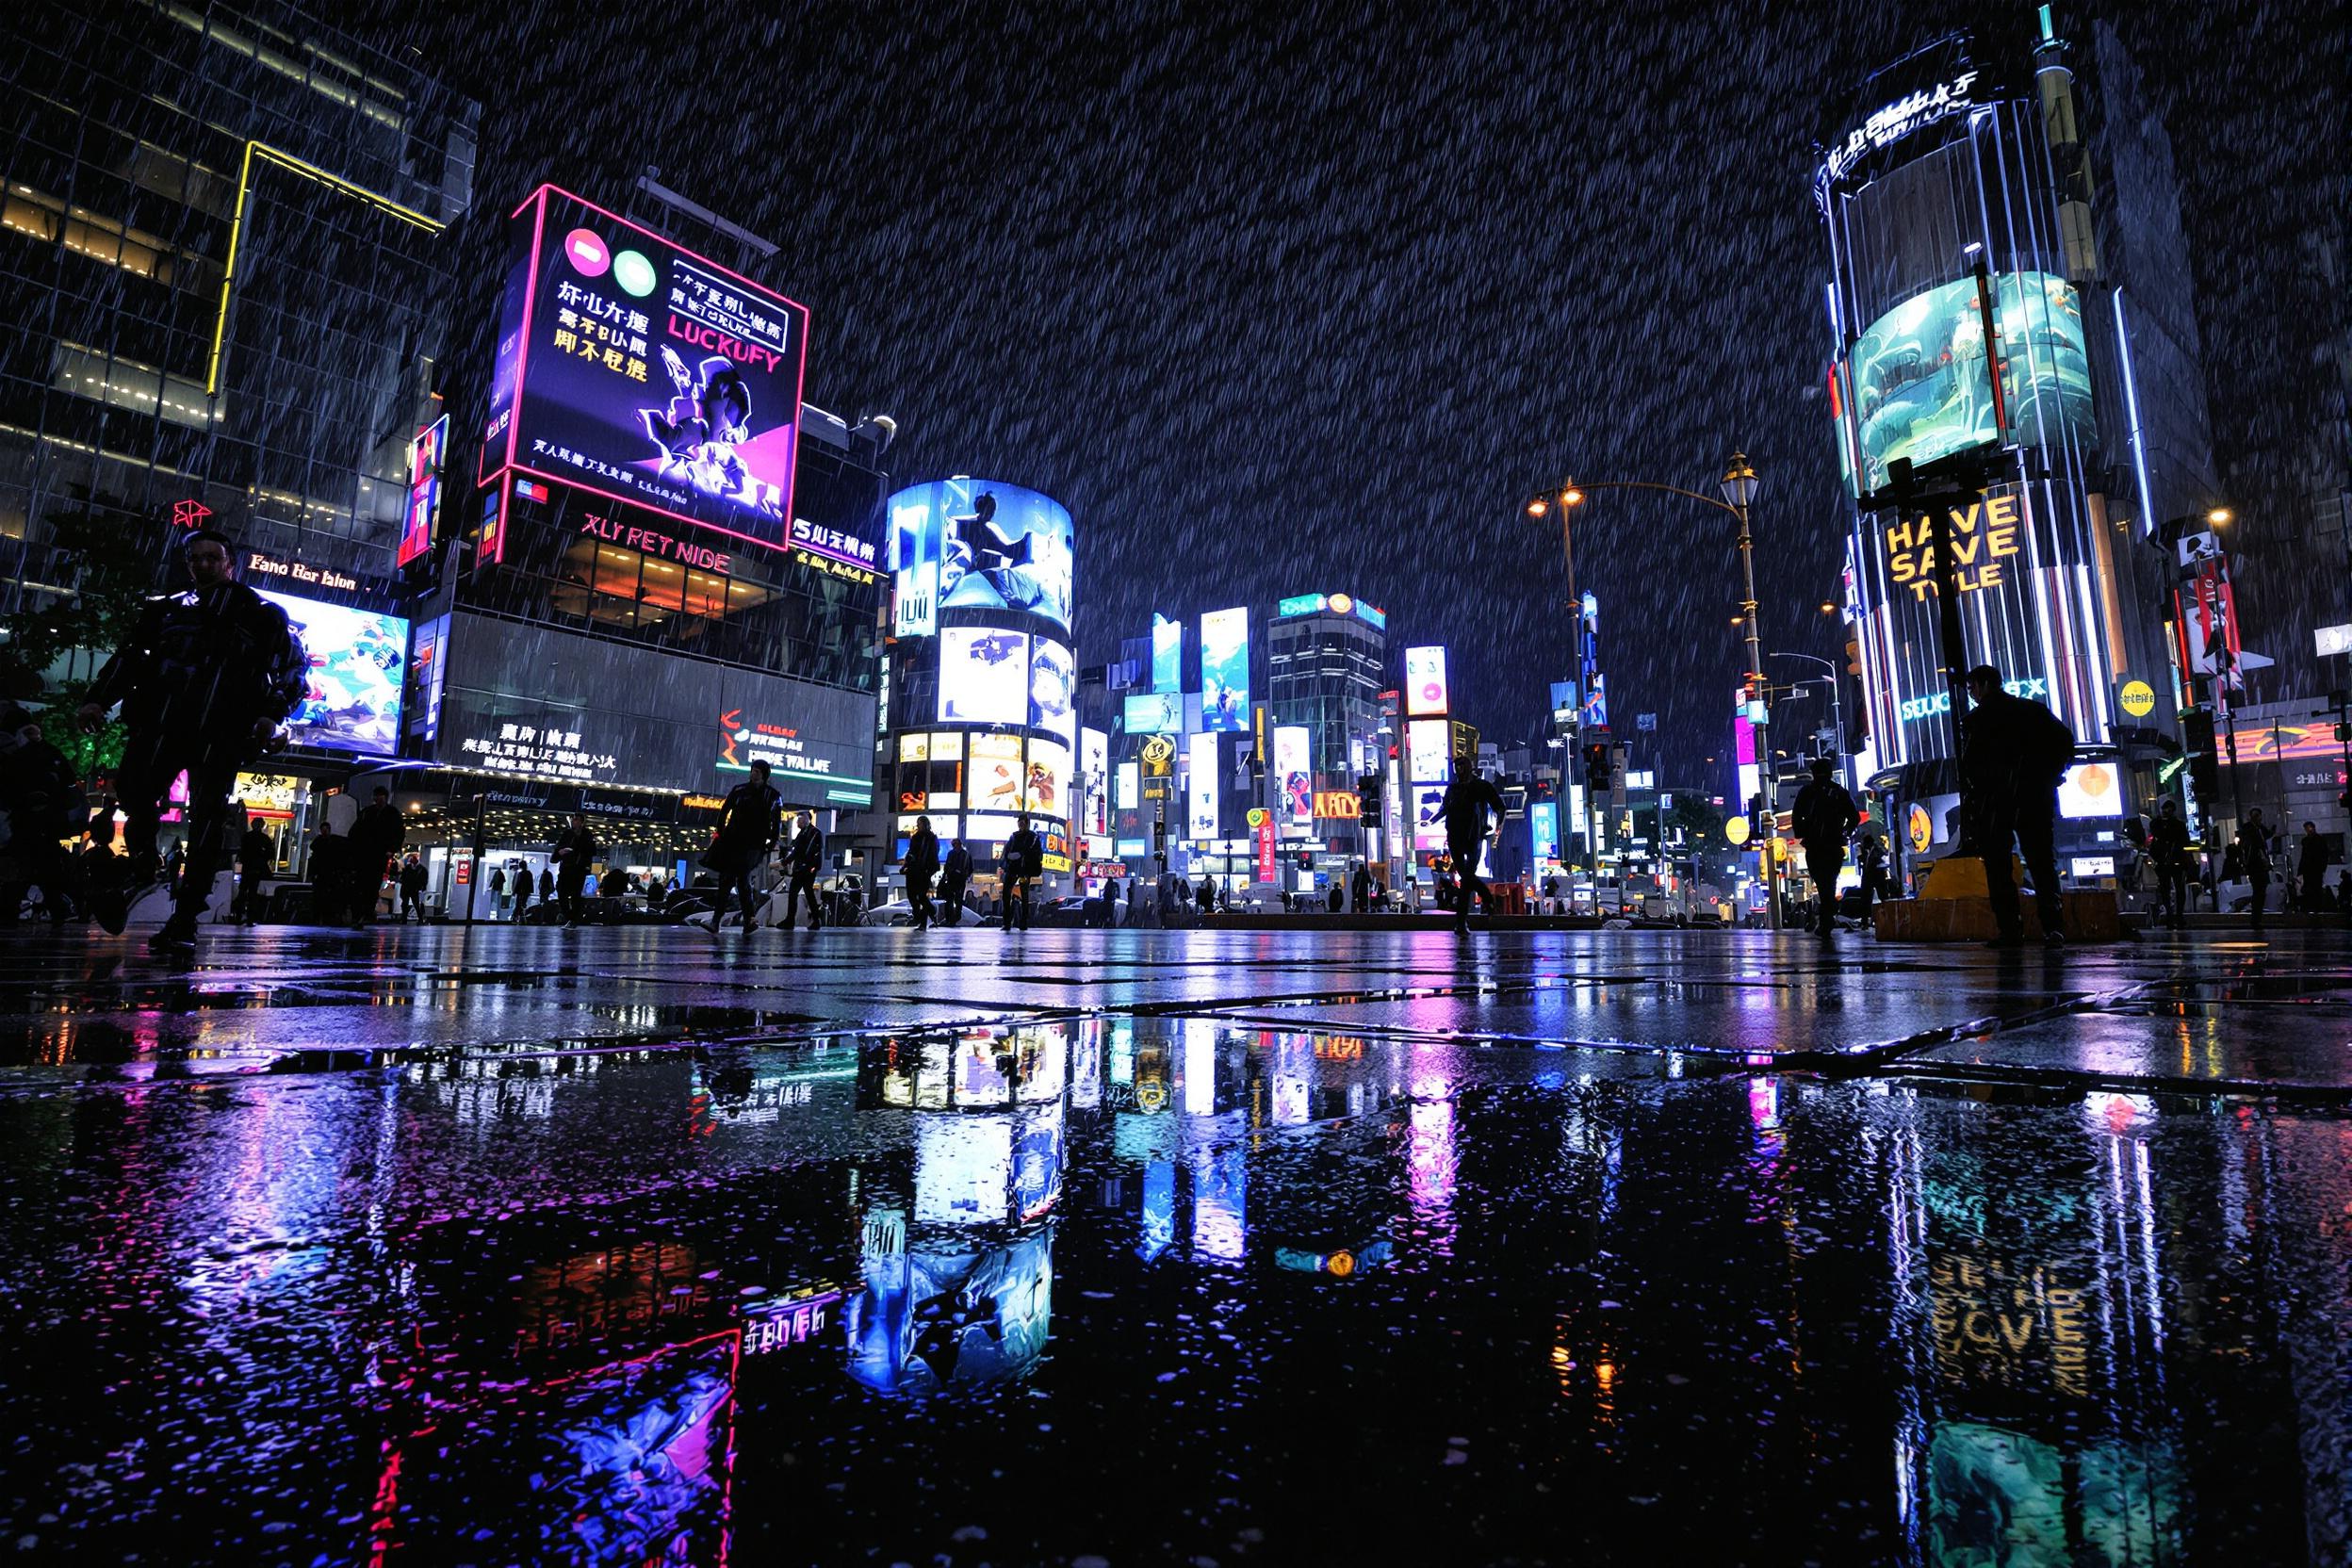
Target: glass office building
{"x":226,"y":255}
{"x":1327,"y":664}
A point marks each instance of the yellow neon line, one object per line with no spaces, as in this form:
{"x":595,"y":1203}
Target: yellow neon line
{"x":237,"y":230}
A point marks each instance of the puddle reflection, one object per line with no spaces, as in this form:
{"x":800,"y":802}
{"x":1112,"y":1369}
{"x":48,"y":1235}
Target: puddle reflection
{"x":644,"y":1307}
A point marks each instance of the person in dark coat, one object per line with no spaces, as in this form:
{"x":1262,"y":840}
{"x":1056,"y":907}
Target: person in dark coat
{"x":413,"y":887}
{"x":2254,"y":859}
{"x":808,"y":859}
{"x":954,"y":878}
{"x":2169,"y":848}
{"x":40,"y":798}
{"x":204,"y":680}
{"x":1025,"y":857}
{"x":2013,"y":752}
{"x":750,"y":823}
{"x":376,"y":836}
{"x":1870,"y":858}
{"x":921,"y":865}
{"x":498,"y":892}
{"x":547,"y":884}
{"x":1360,"y":887}
{"x":1463,"y":809}
{"x":2310,"y":868}
{"x":573,"y":848}
{"x":330,"y":876}
{"x":1824,"y":817}
{"x":256,"y":856}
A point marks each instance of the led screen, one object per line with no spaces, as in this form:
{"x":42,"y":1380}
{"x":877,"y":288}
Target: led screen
{"x":1425,"y":681}
{"x":1295,"y":776}
{"x":984,"y":675}
{"x":424,"y":490}
{"x":1429,"y":744}
{"x":353,"y":700}
{"x":2090,"y":790}
{"x":1225,"y":670}
{"x":1094,"y":765}
{"x":1168,"y":653}
{"x":1155,"y":713}
{"x":1917,"y":378}
{"x":1429,"y":821}
{"x":1047,"y":787}
{"x":1200,"y":788}
{"x":968,"y":544}
{"x":1053,"y":690}
{"x":1130,"y":788}
{"x":997,"y":776}
{"x":644,"y":373}
{"x":1544,"y":829}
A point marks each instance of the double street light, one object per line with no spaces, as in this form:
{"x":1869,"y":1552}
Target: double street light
{"x":1739,"y":488}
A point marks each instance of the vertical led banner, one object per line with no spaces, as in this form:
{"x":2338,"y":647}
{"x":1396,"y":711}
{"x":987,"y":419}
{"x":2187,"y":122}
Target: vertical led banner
{"x":914,"y":564}
{"x":424,"y":490}
{"x":1094,"y":763}
{"x":1168,"y":653}
{"x":1128,"y":791}
{"x":1200,"y":789}
{"x":1544,"y":829}
{"x":1225,"y":670}
{"x":1295,"y":774}
{"x":1743,"y":750}
{"x":1425,"y":682}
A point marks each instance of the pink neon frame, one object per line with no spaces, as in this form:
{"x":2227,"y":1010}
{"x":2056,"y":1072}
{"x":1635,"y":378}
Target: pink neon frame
{"x":522,"y":368}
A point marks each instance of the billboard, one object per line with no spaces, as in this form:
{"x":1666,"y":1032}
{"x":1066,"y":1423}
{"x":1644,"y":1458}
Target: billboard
{"x":1596,"y":702}
{"x":1917,"y":384}
{"x":1425,"y":681}
{"x":1094,"y":766}
{"x":1429,"y":816}
{"x":1154,"y":713}
{"x":1225,"y":670}
{"x":1333,"y":604}
{"x":1053,"y":690}
{"x":424,"y":490}
{"x":968,"y":544}
{"x":1047,"y":790}
{"x":1201,"y":788}
{"x":1168,"y":653}
{"x":635,"y":369}
{"x":351,"y":701}
{"x":1543,"y":830}
{"x":997,"y":777}
{"x":984,"y":675}
{"x":1294,"y":772}
{"x":1429,"y":750}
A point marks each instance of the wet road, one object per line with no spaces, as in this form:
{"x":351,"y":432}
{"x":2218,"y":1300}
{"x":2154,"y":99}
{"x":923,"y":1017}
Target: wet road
{"x":1175,"y":1248}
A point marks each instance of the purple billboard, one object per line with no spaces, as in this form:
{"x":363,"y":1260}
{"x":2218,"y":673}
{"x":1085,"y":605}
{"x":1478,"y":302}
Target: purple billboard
{"x":634,"y":370}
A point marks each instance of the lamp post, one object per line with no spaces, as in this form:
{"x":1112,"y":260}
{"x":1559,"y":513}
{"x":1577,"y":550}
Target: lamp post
{"x":1739,"y":485}
{"x":1566,"y":498}
{"x":1837,"y":704}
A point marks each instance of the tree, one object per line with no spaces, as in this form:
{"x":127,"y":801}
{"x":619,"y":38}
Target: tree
{"x":105,"y":556}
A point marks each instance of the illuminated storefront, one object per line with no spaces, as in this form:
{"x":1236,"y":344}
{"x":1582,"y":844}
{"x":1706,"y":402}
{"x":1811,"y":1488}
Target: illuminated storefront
{"x":1976,"y":305}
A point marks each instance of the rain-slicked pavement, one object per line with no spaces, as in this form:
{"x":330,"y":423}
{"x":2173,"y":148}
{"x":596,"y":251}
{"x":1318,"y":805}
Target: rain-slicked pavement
{"x":630,"y":1246}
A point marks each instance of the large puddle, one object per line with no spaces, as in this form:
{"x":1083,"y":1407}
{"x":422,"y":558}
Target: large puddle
{"x":1167,"y":1290}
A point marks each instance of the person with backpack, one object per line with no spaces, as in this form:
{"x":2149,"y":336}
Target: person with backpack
{"x":953,"y":879}
{"x":1823,"y":818}
{"x":751,"y":822}
{"x":1024,"y":858}
{"x":2013,"y":752}
{"x":921,"y":865}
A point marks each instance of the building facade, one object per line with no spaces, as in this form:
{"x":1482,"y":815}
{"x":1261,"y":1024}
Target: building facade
{"x":1327,"y":671}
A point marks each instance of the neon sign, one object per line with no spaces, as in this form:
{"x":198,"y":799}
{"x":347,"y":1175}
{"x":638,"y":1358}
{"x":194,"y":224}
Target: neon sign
{"x":1912,"y":111}
{"x":424,"y":490}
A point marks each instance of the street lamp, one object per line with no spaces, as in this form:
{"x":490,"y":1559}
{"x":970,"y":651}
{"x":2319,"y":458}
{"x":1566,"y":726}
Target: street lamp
{"x":1739,"y":487}
{"x":1836,"y":702}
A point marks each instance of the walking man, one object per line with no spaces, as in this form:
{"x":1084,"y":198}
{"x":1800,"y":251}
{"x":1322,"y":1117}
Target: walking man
{"x":412,"y":888}
{"x":1025,"y":857}
{"x":375,"y":841}
{"x":2254,"y":860}
{"x":204,"y":680}
{"x":2013,"y":752}
{"x":1465,"y":806}
{"x":953,"y":879}
{"x":255,"y":857}
{"x":498,"y":892}
{"x":750,"y":823}
{"x":2312,"y":869}
{"x":922,"y":865}
{"x":573,"y":848}
{"x":1824,"y":817}
{"x":1360,"y":887}
{"x":42,"y":801}
{"x":330,"y":876}
{"x":807,"y":861}
{"x":2169,"y":846}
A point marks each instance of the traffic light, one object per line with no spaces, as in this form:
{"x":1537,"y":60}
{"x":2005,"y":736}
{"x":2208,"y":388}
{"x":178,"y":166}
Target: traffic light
{"x":1596,"y":773}
{"x":2196,"y":737}
{"x":1306,"y":859}
{"x":1368,"y":792}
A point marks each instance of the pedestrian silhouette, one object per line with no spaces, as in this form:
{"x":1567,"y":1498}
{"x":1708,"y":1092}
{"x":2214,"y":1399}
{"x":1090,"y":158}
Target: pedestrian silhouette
{"x":2013,"y":752}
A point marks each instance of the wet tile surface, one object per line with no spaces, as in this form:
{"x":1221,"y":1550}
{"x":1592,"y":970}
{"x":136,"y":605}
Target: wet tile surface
{"x":646,"y":1258}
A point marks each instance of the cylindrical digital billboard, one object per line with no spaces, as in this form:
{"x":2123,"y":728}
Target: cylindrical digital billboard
{"x":984,"y":718}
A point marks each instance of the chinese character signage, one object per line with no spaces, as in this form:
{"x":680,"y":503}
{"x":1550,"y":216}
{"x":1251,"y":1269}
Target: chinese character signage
{"x":635,"y":369}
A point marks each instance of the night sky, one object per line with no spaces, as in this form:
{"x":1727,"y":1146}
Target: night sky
{"x":1310,"y":297}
